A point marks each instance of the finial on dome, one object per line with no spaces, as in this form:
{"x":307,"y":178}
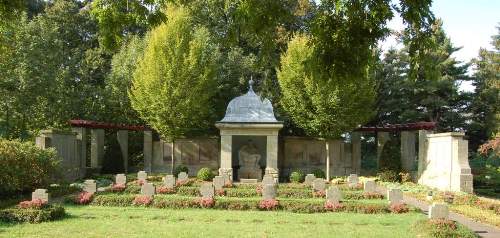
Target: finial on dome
{"x":250,"y":84}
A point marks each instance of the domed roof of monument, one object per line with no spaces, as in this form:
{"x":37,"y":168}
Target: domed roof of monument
{"x":249,"y":108}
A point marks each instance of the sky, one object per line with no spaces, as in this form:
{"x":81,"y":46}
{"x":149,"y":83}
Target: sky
{"x":468,"y":23}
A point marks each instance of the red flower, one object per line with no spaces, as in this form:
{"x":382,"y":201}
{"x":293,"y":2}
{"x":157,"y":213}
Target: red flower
{"x":165,"y":190}
{"x":258,"y":189}
{"x":319,"y":194}
{"x":268,"y":204}
{"x":84,"y":198}
{"x":398,"y":208}
{"x":206,"y":202}
{"x":333,"y":206}
{"x":35,"y":204}
{"x":118,"y":187}
{"x":142,"y":200}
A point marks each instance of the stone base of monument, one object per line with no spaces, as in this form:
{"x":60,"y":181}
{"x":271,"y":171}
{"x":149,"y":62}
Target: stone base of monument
{"x":249,"y":181}
{"x":249,"y":173}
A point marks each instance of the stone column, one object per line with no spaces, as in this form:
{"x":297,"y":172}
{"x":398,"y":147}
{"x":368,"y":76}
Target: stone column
{"x":327,"y":146}
{"x":382,"y":138}
{"x":407,"y":150}
{"x":422,"y":151}
{"x":226,"y":144}
{"x":148,"y":150}
{"x":96,"y":148}
{"x":122,"y":137}
{"x":81,"y":135}
{"x":356,"y":152}
{"x":272,"y":156}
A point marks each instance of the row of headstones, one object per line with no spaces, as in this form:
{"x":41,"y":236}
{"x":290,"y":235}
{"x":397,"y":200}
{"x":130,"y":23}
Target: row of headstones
{"x":436,"y":210}
{"x":352,"y":180}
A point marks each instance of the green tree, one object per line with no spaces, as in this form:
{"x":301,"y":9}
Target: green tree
{"x":175,"y":80}
{"x":485,"y":107}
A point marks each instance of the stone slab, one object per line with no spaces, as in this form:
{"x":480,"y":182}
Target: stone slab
{"x":309,"y":179}
{"x":319,"y":185}
{"x":249,"y":181}
{"x":369,"y":186}
{"x":120,"y":179}
{"x":142,"y":176}
{"x":182,"y":177}
{"x":333,"y":194}
{"x":40,"y":194}
{"x":219,"y":182}
{"x":394,"y":195}
{"x":169,"y":181}
{"x":268,"y":179}
{"x":90,"y":186}
{"x":148,"y":189}
{"x":438,"y":211}
{"x":207,"y":190}
{"x":353,"y":180}
{"x":269,"y":191}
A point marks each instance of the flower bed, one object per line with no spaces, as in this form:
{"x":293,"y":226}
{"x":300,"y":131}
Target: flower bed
{"x":34,"y":211}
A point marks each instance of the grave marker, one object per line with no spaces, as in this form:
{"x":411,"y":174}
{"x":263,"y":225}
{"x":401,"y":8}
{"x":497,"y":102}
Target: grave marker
{"x":182,"y":177}
{"x":40,"y":194}
{"x":90,"y":186}
{"x":207,"y":190}
{"x":333,"y":195}
{"x":269,"y":191}
{"x":169,"y":181}
{"x":121,"y":179}
{"x":394,"y":196}
{"x":438,"y":211}
{"x":218,"y":182}
{"x":353,"y":180}
{"x":309,"y":179}
{"x":319,"y":185}
{"x":142,"y":176}
{"x":148,"y":189}
{"x":268,"y":179}
{"x":369,"y":186}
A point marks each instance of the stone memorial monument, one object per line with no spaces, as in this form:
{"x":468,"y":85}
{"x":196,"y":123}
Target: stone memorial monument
{"x":121,"y":179}
{"x":40,"y":194}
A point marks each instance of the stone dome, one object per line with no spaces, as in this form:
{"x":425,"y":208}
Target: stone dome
{"x":249,"y":108}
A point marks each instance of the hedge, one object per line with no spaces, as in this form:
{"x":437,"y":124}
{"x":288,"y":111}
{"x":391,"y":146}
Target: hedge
{"x":225,"y":203}
{"x":49,"y":213}
{"x":25,"y":167}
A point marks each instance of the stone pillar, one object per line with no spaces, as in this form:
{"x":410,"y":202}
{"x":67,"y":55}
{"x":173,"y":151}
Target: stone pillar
{"x":148,"y":150}
{"x":422,"y":151}
{"x":356,"y":152}
{"x":226,"y":167}
{"x":96,"y":148}
{"x":272,"y":156}
{"x":407,"y":150}
{"x":81,"y":135}
{"x":122,"y":137}
{"x":382,"y":138}
{"x":327,"y":160}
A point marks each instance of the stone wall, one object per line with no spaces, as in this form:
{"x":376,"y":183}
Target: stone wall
{"x":445,"y":165}
{"x":68,"y":148}
{"x":308,"y":154}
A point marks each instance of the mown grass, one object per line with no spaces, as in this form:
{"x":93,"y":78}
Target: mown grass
{"x":93,"y":221}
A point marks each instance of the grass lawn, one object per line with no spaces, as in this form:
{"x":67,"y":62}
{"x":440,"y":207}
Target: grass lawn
{"x":94,"y":221}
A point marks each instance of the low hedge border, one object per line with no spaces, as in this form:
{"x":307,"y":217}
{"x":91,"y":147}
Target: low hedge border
{"x":18,"y":215}
{"x":227,"y":203}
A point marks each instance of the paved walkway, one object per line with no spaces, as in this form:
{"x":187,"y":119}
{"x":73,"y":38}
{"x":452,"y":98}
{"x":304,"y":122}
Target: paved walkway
{"x":483,"y":230}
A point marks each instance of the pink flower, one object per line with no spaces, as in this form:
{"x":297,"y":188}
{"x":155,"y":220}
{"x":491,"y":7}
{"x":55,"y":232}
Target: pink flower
{"x":207,"y":202}
{"x":319,"y":193}
{"x":268,"y":204}
{"x":165,"y":190}
{"x":84,"y":198}
{"x":333,"y":206}
{"x":142,"y":200}
{"x":35,"y":204}
{"x":398,"y":208}
{"x":118,"y":187}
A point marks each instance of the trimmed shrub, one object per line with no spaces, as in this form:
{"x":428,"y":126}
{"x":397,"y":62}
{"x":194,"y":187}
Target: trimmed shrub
{"x":84,"y":198}
{"x":205,"y":174}
{"x":441,"y":228}
{"x":399,"y":208}
{"x":180,"y":168}
{"x":206,"y":202}
{"x":333,"y":206}
{"x":319,"y":173}
{"x":268,"y":204}
{"x":25,"y":167}
{"x":31,"y":215}
{"x":142,"y":200}
{"x":297,"y":177}
{"x":123,"y":200}
{"x":33,"y":204}
{"x":388,"y":176}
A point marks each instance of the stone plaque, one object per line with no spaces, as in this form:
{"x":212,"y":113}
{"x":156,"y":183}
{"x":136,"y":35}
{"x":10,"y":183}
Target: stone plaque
{"x":353,"y":180}
{"x":269,"y":191}
{"x":309,"y":179}
{"x":227,"y":180}
{"x":395,"y":195}
{"x":207,"y":190}
{"x":218,"y":182}
{"x":121,"y":179}
{"x":319,"y":184}
{"x":268,"y":179}
{"x":438,"y":211}
{"x":169,"y":181}
{"x":40,"y":194}
{"x":142,"y":176}
{"x":369,"y":186}
{"x":183,"y":176}
{"x":148,"y":189}
{"x":333,"y":195}
{"x":90,"y":186}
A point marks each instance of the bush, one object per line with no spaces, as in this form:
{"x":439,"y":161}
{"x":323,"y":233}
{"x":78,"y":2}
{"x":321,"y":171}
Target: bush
{"x":206,"y":202}
{"x":25,"y":167}
{"x":388,"y":176}
{"x":84,"y":198}
{"x":297,"y":177}
{"x":268,"y":204}
{"x":142,"y":200}
{"x":390,"y":158}
{"x":205,"y":174}
{"x":319,"y":173}
{"x":441,"y":228}
{"x":180,"y":168}
{"x":33,"y":204}
{"x":47,"y":213}
{"x":399,"y":208}
{"x":333,"y":206}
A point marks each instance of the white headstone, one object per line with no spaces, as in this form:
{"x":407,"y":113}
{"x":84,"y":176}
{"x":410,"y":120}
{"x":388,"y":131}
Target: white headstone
{"x":309,"y":179}
{"x":169,"y":181}
{"x":183,"y":176}
{"x":227,"y":180}
{"x":268,"y":179}
{"x":40,"y":194}
{"x":369,"y":186}
{"x":394,"y":195}
{"x":353,"y":180}
{"x":218,"y":182}
{"x":333,"y":194}
{"x":148,"y":189}
{"x":90,"y":186}
{"x":207,"y":190}
{"x":121,"y":179}
{"x":438,"y":211}
{"x":268,"y":191}
{"x":142,"y":176}
{"x":319,"y":184}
